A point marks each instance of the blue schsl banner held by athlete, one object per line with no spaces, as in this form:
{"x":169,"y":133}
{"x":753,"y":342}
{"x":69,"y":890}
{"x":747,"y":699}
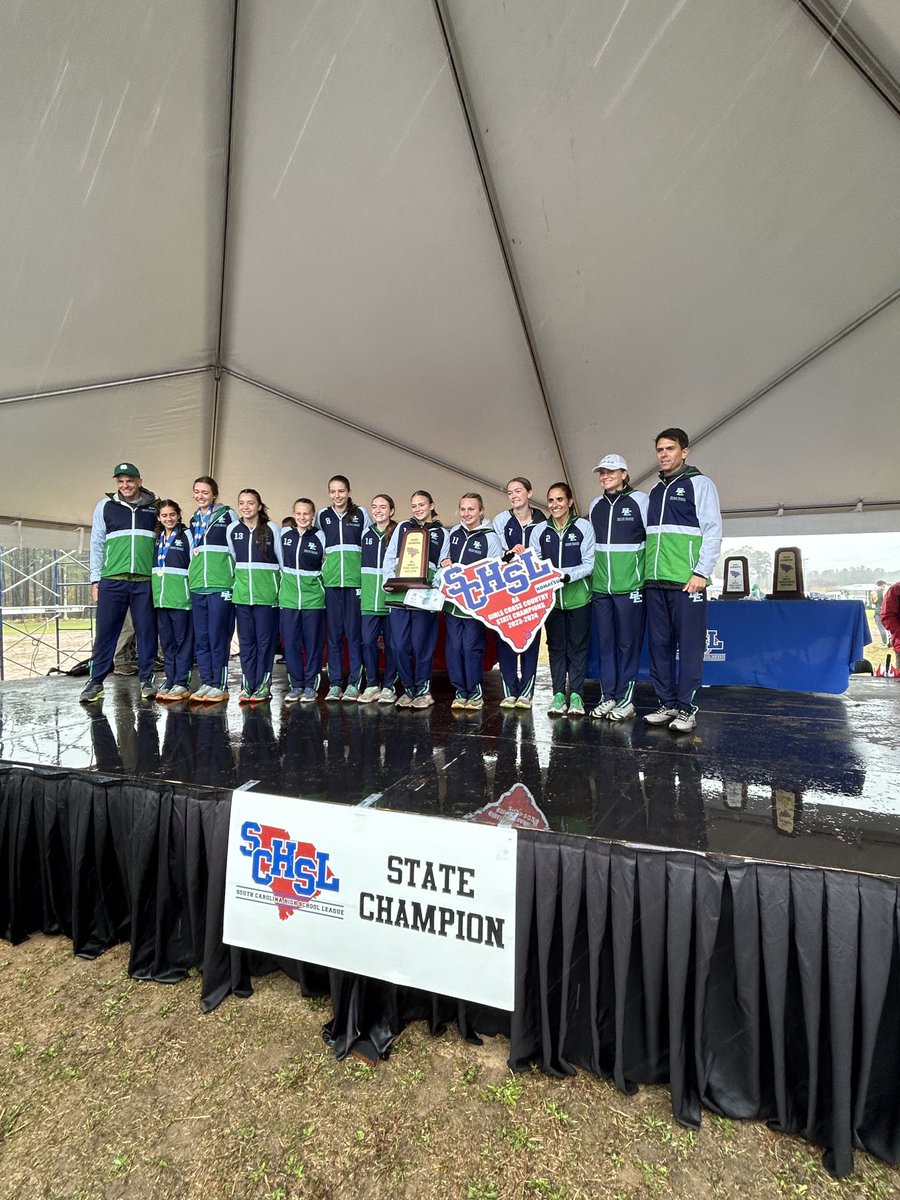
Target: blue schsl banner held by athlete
{"x":418,"y":901}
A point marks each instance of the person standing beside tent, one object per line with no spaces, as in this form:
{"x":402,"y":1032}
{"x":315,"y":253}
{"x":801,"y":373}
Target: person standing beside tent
{"x":684,"y":535}
{"x":211,"y":578}
{"x":890,"y":616}
{"x":877,"y":602}
{"x":172,"y":601}
{"x":516,"y":527}
{"x":618,"y":517}
{"x":121,"y":561}
{"x":343,"y":523}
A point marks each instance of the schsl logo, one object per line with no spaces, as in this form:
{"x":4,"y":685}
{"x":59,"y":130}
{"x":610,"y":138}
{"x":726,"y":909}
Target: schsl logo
{"x":293,"y":871}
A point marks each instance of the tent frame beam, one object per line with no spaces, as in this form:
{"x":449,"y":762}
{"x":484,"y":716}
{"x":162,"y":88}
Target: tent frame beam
{"x":226,"y":208}
{"x":106,"y":383}
{"x":317,"y":410}
{"x":496,"y":214}
{"x":831,"y":22}
{"x":785,"y":375}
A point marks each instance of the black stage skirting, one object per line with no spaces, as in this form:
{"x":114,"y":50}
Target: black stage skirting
{"x":755,"y":990}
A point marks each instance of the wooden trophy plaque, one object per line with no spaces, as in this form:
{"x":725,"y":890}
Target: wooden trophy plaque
{"x":737,"y":578}
{"x":787,"y":578}
{"x":412,"y":562}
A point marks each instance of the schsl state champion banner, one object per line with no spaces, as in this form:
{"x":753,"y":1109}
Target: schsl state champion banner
{"x":513,"y":598}
{"x":418,"y":901}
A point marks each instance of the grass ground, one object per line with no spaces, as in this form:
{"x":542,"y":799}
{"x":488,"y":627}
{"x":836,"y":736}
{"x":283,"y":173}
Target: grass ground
{"x":111,"y":1088}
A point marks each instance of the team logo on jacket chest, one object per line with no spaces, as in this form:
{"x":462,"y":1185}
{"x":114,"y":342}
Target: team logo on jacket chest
{"x":680,"y":492}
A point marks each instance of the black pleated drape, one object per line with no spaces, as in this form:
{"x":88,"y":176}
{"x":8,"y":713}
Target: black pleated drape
{"x":755,"y":990}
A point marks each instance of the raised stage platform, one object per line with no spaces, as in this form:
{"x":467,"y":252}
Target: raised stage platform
{"x":719,"y":910}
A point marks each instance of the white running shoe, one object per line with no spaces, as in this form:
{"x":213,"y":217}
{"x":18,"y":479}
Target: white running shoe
{"x":662,"y":716}
{"x":684,"y":722}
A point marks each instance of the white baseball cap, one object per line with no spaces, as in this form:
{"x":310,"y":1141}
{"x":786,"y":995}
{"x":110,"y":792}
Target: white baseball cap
{"x":612,"y":462}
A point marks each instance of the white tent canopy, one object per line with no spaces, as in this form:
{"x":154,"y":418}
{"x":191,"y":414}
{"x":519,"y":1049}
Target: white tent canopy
{"x":438,"y":244}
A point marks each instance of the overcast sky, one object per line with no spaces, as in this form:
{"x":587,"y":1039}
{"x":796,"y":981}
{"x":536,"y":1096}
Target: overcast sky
{"x":880,"y":551}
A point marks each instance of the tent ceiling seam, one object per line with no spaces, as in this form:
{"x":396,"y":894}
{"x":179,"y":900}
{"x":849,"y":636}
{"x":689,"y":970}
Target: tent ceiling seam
{"x":496,"y":213}
{"x":385,"y":440}
{"x":854,"y":49}
{"x":785,"y":375}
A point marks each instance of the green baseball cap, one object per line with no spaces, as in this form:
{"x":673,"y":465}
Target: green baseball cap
{"x":126,"y":469}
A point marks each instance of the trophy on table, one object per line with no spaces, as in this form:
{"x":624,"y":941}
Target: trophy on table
{"x":787,"y":578}
{"x":737,"y":578}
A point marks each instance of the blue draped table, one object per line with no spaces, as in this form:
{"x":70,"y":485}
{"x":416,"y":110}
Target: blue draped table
{"x":790,"y":645}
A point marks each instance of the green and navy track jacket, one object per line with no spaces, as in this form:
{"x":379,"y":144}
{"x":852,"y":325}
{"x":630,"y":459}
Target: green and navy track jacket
{"x":438,"y":540}
{"x":171,"y":563}
{"x":373,"y":598}
{"x":571,"y":550}
{"x":620,"y":531}
{"x":684,"y":529}
{"x":511,"y":532}
{"x":123,"y":536}
{"x":256,"y":572}
{"x":343,"y":541}
{"x":212,"y":566}
{"x":302,"y":555}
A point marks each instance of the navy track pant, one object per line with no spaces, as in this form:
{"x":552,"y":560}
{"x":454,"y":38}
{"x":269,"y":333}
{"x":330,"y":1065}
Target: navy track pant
{"x":619,"y":634}
{"x":518,"y":670}
{"x":302,"y":631}
{"x":373,"y":628}
{"x":116,"y":597}
{"x":213,"y":620}
{"x":676,"y":621}
{"x":176,"y":636}
{"x":257,"y":627}
{"x":343,"y":620}
{"x":568,"y":640}
{"x":465,"y":654}
{"x":413,"y":639}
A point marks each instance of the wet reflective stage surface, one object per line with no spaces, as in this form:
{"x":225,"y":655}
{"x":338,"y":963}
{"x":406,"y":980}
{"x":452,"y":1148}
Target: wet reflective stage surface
{"x":766,"y":775}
